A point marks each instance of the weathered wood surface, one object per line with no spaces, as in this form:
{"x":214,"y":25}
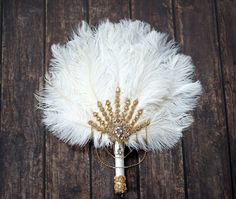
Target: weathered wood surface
{"x":21,"y":138}
{"x":34,"y":164}
{"x":226,"y":20}
{"x":206,"y":146}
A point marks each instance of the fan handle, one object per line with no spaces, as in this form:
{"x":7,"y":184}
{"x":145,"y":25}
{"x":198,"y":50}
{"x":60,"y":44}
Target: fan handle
{"x":119,"y":179}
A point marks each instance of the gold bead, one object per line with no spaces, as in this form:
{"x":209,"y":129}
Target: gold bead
{"x":140,"y":111}
{"x":108,"y":103}
{"x":117,"y":100}
{"x":118,"y":90}
{"x":127,"y":102}
{"x":135,"y":102}
{"x":99,"y":104}
{"x":95,"y":114}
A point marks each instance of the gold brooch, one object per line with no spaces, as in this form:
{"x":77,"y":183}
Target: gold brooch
{"x":118,"y":125}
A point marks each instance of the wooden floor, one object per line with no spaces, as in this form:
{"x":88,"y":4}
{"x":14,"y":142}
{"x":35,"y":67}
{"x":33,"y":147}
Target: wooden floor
{"x":34,"y":164}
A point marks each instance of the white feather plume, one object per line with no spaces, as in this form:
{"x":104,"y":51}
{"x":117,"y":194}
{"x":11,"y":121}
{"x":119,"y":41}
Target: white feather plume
{"x":128,"y":54}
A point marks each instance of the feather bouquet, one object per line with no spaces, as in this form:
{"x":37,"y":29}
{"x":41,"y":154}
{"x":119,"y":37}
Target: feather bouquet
{"x":119,"y":84}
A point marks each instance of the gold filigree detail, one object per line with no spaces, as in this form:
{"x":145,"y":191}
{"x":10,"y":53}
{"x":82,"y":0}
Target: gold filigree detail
{"x":118,"y":125}
{"x":120,"y":184}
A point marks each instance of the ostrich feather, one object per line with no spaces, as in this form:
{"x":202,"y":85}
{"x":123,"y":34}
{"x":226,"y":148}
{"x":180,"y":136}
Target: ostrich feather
{"x":128,"y":54}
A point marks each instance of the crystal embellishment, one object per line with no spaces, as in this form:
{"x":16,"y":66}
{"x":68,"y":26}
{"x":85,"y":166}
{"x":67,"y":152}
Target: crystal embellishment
{"x":118,"y":131}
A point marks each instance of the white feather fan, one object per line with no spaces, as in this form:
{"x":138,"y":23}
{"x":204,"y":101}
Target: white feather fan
{"x":109,"y":67}
{"x":128,"y":54}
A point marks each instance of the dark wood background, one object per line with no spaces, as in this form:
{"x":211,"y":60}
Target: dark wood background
{"x":34,"y":164}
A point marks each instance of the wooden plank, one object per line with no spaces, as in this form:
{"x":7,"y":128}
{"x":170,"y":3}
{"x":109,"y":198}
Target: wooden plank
{"x":21,"y":138}
{"x":206,"y":147}
{"x":227,"y":31}
{"x":105,"y":9}
{"x":67,"y":168}
{"x":102,"y":177}
{"x":161,"y":174}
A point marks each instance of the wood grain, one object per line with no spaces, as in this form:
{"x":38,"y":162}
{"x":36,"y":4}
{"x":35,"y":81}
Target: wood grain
{"x":113,"y":10}
{"x":227,"y":37}
{"x":161,"y":175}
{"x":21,"y":138}
{"x":67,"y":168}
{"x":206,"y":146}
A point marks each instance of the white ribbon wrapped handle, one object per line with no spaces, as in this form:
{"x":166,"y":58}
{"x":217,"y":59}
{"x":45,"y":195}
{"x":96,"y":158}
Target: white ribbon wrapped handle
{"x":119,"y":179}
